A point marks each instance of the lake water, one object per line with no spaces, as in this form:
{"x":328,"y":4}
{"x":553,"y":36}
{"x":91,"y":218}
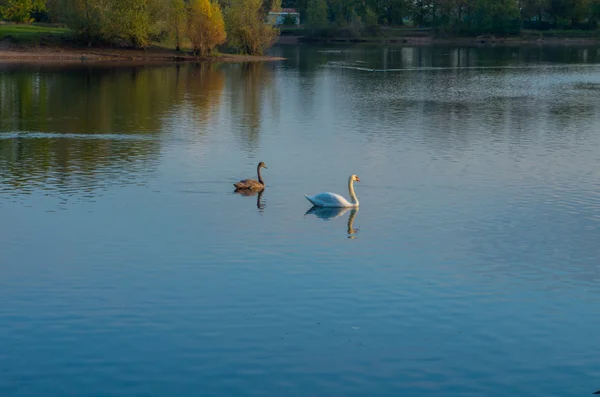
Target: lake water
{"x":128,"y":267}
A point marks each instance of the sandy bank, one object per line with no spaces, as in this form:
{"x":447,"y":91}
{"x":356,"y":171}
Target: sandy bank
{"x":10,"y":53}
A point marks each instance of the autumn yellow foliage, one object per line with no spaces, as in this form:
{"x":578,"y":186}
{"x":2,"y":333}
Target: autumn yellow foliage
{"x":181,"y":23}
{"x":206,"y":28}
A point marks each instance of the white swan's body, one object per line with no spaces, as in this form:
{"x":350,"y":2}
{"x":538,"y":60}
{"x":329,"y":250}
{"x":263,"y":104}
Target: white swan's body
{"x":328,"y":199}
{"x":335,"y":200}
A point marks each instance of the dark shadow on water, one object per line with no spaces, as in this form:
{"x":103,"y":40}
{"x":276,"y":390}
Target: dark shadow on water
{"x":328,"y":214}
{"x":260,"y":204}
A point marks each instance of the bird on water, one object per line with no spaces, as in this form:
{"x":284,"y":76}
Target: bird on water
{"x":252,"y":184}
{"x":328,"y":199}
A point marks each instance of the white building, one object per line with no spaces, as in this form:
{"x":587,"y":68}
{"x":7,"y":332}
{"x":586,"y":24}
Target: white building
{"x":278,"y":18}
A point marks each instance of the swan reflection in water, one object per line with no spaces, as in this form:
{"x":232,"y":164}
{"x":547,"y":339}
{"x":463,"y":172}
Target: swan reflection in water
{"x":260,"y":204}
{"x":330,"y":213}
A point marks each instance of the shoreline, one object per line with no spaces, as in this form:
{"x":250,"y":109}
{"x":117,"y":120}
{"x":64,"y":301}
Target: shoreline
{"x":10,"y":53}
{"x":426,"y":41}
{"x":14,"y":53}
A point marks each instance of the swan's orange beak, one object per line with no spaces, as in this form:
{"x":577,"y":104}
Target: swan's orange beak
{"x":357,"y":179}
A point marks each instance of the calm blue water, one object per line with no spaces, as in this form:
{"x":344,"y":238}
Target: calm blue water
{"x":128,"y":267}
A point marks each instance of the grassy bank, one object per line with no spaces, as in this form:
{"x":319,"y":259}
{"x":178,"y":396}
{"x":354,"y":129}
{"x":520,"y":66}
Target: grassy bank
{"x":50,"y":43}
{"x":33,"y":34}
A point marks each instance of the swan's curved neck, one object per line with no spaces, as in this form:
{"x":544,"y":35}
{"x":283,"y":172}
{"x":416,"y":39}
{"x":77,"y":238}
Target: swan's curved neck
{"x":353,"y":197}
{"x":259,"y":175}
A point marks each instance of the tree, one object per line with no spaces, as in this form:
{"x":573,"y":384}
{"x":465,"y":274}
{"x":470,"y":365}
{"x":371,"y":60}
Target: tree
{"x":578,"y":11}
{"x":247,"y":29}
{"x":594,"y":14}
{"x":343,"y":12}
{"x":316,"y":14}
{"x":271,"y":5}
{"x":84,"y":17}
{"x":391,"y":12}
{"x":206,"y":28}
{"x":370,"y":18}
{"x":129,"y":20}
{"x":531,"y":9}
{"x":497,"y":17}
{"x":178,"y":21}
{"x":20,"y":10}
{"x":137,"y":22}
{"x":420,"y":12}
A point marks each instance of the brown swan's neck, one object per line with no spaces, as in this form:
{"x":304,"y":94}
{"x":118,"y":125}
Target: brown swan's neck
{"x":259,"y":175}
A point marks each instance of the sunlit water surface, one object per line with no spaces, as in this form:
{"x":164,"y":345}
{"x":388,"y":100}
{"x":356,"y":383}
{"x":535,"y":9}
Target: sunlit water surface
{"x":128,"y":267}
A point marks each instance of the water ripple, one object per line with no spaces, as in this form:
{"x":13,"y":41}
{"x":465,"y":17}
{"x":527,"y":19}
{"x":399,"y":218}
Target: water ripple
{"x":129,"y":267}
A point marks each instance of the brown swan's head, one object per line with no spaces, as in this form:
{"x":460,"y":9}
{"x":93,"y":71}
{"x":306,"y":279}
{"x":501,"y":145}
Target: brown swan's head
{"x":262,"y":165}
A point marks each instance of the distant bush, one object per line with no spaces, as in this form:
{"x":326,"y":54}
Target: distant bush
{"x":139,"y":23}
{"x":247,"y":30}
{"x":20,"y":10}
{"x":289,"y":20}
{"x":568,"y":33}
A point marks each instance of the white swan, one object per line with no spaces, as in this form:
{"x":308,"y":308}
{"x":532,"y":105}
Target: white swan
{"x":335,"y":200}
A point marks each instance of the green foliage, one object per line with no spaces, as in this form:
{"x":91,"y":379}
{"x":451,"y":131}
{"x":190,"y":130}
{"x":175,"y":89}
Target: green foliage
{"x":136,"y":22}
{"x":247,"y":30}
{"x":85,"y":17}
{"x":129,"y":20}
{"x":177,"y":19}
{"x":289,"y":20}
{"x":371,"y":22}
{"x":316,"y":14}
{"x":20,"y":10}
{"x":370,"y":17}
{"x":496,"y":17}
{"x":472,"y":17}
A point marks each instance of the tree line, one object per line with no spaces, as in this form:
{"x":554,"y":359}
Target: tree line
{"x":205,"y":24}
{"x":456,"y":17}
{"x":199,"y":24}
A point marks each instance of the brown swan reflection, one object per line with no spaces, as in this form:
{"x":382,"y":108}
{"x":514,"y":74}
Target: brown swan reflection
{"x":260,"y":204}
{"x":330,"y":213}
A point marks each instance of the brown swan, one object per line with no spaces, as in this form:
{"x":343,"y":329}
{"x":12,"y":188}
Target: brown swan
{"x":252,"y":184}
